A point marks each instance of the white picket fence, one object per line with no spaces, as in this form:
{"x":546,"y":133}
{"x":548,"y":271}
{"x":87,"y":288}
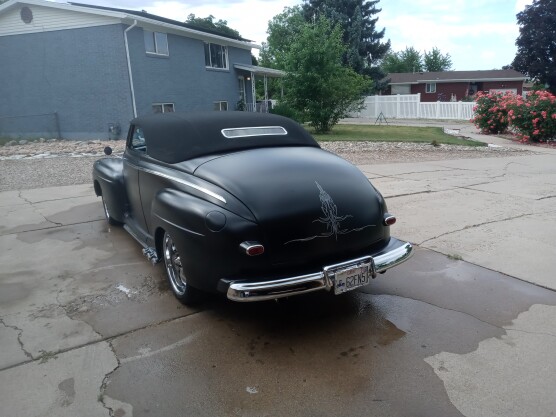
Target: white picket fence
{"x":409,"y":106}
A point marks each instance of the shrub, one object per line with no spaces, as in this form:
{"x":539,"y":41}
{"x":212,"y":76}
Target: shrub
{"x":283,"y":109}
{"x":491,"y":115}
{"x":533,"y":118}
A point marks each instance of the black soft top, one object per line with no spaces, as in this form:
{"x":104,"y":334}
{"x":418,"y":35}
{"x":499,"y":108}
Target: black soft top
{"x":177,"y":137}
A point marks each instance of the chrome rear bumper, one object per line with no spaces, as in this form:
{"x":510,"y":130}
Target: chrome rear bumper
{"x":394,"y":254}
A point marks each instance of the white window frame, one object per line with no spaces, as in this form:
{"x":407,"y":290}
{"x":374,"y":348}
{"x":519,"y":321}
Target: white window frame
{"x":430,"y":87}
{"x":218,"y":105}
{"x":157,"y":47}
{"x":211,"y":65}
{"x":162,"y":106}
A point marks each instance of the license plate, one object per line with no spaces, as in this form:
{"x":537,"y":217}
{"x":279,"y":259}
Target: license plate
{"x":350,"y":278}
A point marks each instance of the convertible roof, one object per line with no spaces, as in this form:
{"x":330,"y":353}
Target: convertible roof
{"x":177,"y":137}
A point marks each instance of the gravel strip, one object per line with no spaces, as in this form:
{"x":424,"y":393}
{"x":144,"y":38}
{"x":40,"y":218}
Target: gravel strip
{"x":49,"y":164}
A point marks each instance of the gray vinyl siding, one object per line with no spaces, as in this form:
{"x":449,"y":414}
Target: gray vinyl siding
{"x":76,"y":82}
{"x":79,"y":74}
{"x":182,"y":78}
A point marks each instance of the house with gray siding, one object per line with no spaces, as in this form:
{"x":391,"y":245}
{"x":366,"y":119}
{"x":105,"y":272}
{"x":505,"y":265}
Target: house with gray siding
{"x":77,"y":71}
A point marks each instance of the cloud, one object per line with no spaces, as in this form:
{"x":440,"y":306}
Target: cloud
{"x":520,"y":5}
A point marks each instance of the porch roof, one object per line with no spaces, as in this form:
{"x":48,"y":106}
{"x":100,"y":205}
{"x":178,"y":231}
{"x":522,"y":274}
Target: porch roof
{"x":269,"y":72}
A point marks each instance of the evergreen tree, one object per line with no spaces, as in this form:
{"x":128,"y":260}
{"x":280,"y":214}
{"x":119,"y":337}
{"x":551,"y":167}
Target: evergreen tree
{"x":358,"y":22}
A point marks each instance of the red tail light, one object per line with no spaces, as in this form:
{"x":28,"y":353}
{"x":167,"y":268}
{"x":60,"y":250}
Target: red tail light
{"x":389,"y":220}
{"x":252,"y":248}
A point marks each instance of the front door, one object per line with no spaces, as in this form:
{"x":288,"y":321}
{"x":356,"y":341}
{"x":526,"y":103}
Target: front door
{"x":135,"y":150}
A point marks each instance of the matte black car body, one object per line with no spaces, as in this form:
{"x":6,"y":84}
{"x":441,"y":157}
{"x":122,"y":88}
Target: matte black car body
{"x":250,"y":202}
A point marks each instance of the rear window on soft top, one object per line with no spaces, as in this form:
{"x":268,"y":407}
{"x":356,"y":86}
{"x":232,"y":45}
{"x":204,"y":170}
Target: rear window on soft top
{"x":245,"y":132}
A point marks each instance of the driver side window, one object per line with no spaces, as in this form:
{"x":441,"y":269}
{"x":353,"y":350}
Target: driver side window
{"x":138,"y":142}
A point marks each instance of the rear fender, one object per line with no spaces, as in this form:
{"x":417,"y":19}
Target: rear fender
{"x":207,"y":236}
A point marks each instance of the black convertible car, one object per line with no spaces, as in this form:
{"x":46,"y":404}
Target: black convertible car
{"x":248,"y":205}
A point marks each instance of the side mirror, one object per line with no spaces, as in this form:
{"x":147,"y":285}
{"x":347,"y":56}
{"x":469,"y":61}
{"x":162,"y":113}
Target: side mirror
{"x":108,"y":150}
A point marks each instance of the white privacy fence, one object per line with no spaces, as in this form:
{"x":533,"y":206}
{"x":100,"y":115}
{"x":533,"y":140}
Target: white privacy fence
{"x":409,"y":106}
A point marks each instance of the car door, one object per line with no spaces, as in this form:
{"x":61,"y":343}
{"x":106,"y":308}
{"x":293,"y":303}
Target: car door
{"x":136,"y":149}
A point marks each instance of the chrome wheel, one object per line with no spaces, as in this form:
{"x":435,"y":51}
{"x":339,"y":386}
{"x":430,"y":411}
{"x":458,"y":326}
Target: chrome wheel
{"x":174,"y":269}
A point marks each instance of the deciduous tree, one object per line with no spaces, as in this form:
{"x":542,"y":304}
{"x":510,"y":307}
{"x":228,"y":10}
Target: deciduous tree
{"x":218,"y":26}
{"x":316,"y":83}
{"x":408,"y":60}
{"x":411,"y":60}
{"x":435,"y":61}
{"x":536,"y":43}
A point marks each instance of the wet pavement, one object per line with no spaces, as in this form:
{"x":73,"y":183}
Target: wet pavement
{"x":88,"y":327}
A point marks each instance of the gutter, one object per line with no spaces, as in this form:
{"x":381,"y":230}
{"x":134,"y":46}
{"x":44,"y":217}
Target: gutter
{"x":132,"y":88}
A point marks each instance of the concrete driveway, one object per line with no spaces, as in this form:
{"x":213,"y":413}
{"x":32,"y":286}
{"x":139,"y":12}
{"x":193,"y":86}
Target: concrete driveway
{"x":467,"y":327}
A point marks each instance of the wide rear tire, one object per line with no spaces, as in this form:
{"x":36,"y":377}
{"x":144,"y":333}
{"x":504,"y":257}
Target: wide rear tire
{"x":184,"y":292}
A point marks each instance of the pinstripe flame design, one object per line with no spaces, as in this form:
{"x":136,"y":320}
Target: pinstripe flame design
{"x":330,"y":219}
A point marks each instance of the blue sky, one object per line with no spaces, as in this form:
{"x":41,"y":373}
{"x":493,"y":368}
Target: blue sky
{"x":478,"y":34}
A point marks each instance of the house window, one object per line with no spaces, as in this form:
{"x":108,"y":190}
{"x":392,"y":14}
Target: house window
{"x":216,"y":56}
{"x":163,"y":107}
{"x":431,"y":88}
{"x":221,"y":105}
{"x":156,"y":42}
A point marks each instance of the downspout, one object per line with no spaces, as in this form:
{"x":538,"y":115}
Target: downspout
{"x":129,"y":68}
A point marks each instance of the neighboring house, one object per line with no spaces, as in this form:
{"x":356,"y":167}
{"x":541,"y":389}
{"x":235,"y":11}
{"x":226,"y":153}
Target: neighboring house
{"x":79,"y":71}
{"x":454,"y":85}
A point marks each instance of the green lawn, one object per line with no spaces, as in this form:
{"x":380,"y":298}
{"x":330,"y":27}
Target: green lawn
{"x":384,"y":133}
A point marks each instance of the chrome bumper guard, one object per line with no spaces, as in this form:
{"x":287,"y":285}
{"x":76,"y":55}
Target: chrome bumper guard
{"x":322,"y":280}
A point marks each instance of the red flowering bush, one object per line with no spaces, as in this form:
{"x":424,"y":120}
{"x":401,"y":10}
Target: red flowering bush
{"x":533,"y":118}
{"x":491,"y":115}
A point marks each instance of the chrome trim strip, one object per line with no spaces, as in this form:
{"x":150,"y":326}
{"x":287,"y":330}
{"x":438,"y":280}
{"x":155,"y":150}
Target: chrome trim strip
{"x":178,"y":227}
{"x":186,"y":183}
{"x":323,"y":280}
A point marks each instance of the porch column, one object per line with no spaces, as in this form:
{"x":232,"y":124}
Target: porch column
{"x":253,"y":92}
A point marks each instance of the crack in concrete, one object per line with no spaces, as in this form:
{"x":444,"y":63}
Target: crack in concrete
{"x":36,"y":211}
{"x":529,"y":332}
{"x":545,"y":197}
{"x":104,"y":339}
{"x":56,"y":225}
{"x":483,"y":224}
{"x":19,"y":335}
{"x":105,"y":380}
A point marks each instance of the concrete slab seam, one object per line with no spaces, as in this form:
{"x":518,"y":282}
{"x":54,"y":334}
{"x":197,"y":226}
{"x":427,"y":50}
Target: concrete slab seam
{"x":450,"y":309}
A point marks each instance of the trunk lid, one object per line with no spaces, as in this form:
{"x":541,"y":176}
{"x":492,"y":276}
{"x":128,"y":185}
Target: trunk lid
{"x":309,"y":203}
